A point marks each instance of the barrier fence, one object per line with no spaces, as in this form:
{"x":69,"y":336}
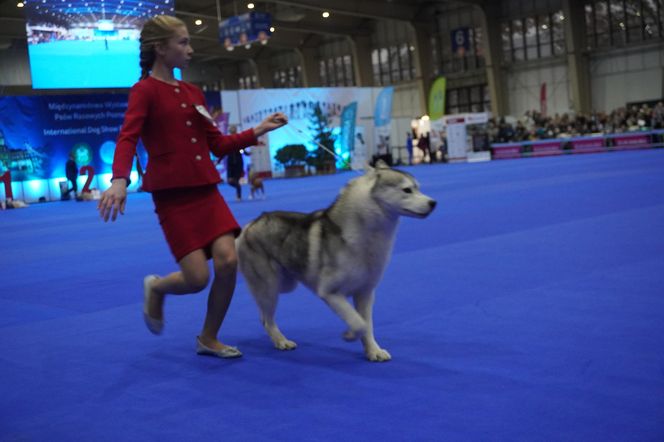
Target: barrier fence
{"x":575,"y":145}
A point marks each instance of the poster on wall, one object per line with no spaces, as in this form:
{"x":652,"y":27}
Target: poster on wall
{"x":37,"y":133}
{"x":298,"y":104}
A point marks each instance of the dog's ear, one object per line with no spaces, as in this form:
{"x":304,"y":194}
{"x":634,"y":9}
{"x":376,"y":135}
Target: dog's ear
{"x":380,"y":164}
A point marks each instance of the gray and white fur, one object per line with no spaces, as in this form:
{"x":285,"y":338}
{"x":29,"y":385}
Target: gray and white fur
{"x":338,"y":252}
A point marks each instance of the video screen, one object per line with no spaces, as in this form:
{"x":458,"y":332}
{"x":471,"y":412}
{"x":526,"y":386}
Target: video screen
{"x":74,"y":44}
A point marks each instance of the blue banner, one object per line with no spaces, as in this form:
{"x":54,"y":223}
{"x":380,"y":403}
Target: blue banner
{"x":347,"y":137}
{"x":383,"y":112}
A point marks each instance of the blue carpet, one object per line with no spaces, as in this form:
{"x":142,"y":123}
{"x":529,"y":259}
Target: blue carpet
{"x":528,"y":307}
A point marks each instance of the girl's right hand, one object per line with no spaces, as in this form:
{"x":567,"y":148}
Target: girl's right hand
{"x":113,"y":200}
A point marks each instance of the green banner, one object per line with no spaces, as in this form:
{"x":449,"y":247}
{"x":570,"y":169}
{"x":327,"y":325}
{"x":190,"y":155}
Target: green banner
{"x":437,"y":99}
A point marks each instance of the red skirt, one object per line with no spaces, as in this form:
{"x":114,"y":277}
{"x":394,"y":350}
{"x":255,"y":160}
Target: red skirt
{"x":192,"y":218}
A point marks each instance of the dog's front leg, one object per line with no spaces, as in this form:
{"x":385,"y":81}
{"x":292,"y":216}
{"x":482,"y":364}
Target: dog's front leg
{"x":364,"y":305}
{"x":340,"y":305}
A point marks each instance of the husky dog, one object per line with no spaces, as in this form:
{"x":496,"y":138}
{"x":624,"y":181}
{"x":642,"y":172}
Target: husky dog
{"x":337,"y":252}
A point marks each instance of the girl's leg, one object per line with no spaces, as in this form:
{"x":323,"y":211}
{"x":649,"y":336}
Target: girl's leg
{"x":192,"y":278}
{"x":223,"y":285}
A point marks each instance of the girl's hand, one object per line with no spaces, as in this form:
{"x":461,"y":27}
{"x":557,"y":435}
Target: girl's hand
{"x":113,"y":200}
{"x":272,"y":122}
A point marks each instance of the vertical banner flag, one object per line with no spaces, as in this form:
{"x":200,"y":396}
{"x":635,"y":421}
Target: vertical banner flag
{"x":543,"y":99}
{"x":347,"y":138}
{"x":382,"y":120}
{"x":460,"y":41}
{"x":437,"y":110}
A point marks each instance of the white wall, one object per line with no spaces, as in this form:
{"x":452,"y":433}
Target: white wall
{"x":619,"y":77}
{"x":524,"y":82}
{"x":406,"y":106}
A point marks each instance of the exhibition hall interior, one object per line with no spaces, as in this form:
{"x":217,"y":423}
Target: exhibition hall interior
{"x":489,"y":174}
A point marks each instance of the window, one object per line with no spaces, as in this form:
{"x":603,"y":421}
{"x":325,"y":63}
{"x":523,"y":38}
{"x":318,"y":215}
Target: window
{"x":248,"y":82}
{"x":468,"y":99}
{"x":533,"y":37}
{"x":337,"y":71}
{"x":620,"y":22}
{"x":392,"y":65}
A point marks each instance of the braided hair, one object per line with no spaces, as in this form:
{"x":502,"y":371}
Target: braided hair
{"x":156,"y":30}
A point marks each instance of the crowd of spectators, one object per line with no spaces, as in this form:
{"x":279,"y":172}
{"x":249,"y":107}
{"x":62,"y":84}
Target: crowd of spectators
{"x":535,"y":126}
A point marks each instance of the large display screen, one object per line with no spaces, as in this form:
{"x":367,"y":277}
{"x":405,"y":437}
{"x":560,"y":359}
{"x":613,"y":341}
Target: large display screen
{"x":87,"y":43}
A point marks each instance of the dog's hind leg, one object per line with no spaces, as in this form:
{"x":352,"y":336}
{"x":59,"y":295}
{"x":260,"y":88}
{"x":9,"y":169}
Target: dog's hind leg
{"x":267,"y":304}
{"x":364,"y":305}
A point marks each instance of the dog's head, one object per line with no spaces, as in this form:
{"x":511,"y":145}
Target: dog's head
{"x":399,"y":192}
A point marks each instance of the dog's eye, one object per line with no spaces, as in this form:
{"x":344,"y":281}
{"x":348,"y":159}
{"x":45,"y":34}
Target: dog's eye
{"x":408,"y":190}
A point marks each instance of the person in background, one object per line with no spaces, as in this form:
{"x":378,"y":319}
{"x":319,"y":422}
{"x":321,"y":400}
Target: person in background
{"x":235,"y":168}
{"x":71,"y":171}
{"x":409,"y":147}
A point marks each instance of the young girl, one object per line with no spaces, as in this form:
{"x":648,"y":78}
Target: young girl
{"x":170,"y":117}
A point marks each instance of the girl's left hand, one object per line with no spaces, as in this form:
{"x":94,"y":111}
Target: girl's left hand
{"x":274,"y":121}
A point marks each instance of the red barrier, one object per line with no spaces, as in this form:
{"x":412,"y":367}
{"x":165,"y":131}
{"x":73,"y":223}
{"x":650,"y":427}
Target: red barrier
{"x":507,"y":150}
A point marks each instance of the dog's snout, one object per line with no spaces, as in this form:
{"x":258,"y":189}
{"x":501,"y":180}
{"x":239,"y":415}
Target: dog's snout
{"x":432,"y":204}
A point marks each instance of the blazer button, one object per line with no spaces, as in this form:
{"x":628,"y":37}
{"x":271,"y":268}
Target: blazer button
{"x":177,"y":90}
{"x":193,"y":140}
{"x":183,"y":105}
{"x":188,"y":123}
{"x":198,"y":157}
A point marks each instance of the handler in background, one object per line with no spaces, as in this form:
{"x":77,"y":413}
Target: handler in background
{"x":171,"y":118}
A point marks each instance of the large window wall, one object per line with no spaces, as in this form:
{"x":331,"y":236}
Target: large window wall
{"x":446,"y":61}
{"x":619,"y":22}
{"x":337,"y":71}
{"x":336,"y":64}
{"x":392,"y":58}
{"x":468,"y":99}
{"x":533,"y":37}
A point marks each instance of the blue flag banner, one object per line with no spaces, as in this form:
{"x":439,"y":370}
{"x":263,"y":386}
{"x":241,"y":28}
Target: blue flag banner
{"x":347,"y":138}
{"x":245,"y":29}
{"x":383,"y":112}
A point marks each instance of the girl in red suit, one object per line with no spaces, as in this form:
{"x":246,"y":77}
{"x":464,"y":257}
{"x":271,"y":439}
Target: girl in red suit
{"x":170,"y":117}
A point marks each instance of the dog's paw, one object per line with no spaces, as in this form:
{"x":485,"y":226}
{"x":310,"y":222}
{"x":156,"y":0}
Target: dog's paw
{"x":378,"y":355}
{"x":285,"y":344}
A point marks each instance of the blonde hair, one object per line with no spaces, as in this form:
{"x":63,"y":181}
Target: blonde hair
{"x":156,"y":30}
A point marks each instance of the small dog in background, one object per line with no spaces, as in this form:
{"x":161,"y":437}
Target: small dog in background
{"x":255,"y":185}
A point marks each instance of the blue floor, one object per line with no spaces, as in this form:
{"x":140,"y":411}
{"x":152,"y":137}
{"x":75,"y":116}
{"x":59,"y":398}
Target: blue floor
{"x":528,"y":307}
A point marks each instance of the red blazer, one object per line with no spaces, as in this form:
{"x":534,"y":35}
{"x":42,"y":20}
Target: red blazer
{"x":178,"y":139}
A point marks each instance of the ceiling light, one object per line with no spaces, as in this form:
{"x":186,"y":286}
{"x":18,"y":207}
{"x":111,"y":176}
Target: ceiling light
{"x":198,"y":22}
{"x":250,"y":5}
{"x":20,"y":4}
{"x":272,"y":29}
{"x":326,"y":14}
